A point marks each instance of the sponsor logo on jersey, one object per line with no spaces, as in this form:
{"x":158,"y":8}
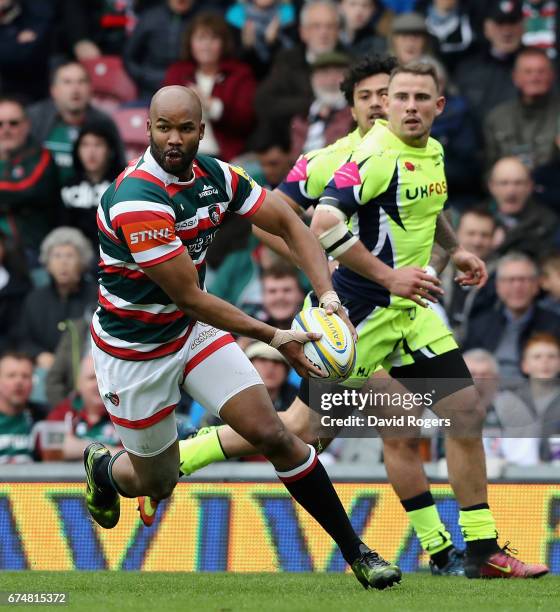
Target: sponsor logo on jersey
{"x":208,"y":190}
{"x":204,"y":335}
{"x":113,"y":398}
{"x":149,"y":234}
{"x":143,"y":235}
{"x":188,"y":223}
{"x":425,"y":191}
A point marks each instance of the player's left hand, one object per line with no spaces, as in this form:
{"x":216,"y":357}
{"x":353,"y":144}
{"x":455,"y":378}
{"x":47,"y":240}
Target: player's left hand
{"x":472,"y":268}
{"x":331,"y":303}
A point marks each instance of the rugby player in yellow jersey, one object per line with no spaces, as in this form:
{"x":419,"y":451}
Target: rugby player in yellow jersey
{"x":365,"y":88}
{"x":393,"y":187}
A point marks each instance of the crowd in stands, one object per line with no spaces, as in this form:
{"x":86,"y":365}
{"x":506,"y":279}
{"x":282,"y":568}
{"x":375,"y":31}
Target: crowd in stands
{"x":76,"y":79}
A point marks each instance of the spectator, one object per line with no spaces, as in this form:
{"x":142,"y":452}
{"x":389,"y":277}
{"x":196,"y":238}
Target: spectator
{"x":286,"y":91}
{"x":29,"y":196}
{"x":156,"y":43}
{"x":86,"y":416}
{"x":262,"y":27}
{"x":282,"y":295}
{"x":530,"y":414}
{"x":25,"y":27}
{"x":528,"y":125}
{"x":329,"y":117}
{"x":56,"y":121}
{"x":96,"y":162}
{"x":475,"y":232}
{"x":504,"y":329}
{"x":274,"y":371}
{"x":66,"y":253}
{"x":541,"y":25}
{"x":546,"y":180}
{"x":14,"y":285}
{"x":523,"y":225}
{"x":550,"y":282}
{"x":485,"y":79}
{"x":450,"y":23}
{"x":225,"y":86}
{"x":456,"y":130}
{"x":365,"y":26}
{"x":274,"y":154}
{"x":409,"y":39}
{"x":97,"y":27}
{"x":17,"y":413}
{"x":63,"y":376}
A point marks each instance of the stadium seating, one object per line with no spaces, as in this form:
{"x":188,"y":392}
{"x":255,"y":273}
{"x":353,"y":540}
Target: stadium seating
{"x":110,"y":82}
{"x":132,"y":127}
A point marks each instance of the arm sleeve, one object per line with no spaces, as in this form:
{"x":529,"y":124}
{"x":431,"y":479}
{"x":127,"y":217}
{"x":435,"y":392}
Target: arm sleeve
{"x":354,"y":183}
{"x":148,"y":230}
{"x":304,"y":183}
{"x":246,"y":195}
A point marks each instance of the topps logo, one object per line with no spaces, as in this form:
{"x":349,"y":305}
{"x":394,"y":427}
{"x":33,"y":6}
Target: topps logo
{"x":208,"y":190}
{"x":143,"y":235}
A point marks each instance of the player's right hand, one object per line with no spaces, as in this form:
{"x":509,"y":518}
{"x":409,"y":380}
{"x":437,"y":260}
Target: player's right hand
{"x":290,"y":343}
{"x":415,"y":284}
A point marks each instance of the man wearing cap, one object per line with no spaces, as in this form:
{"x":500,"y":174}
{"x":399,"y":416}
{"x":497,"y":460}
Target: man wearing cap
{"x":329,"y":117}
{"x":274,"y":370}
{"x":409,"y":39}
{"x":485,"y":79}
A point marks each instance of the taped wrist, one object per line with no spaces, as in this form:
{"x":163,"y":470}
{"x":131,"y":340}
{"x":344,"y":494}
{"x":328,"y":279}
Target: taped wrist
{"x":282,"y":336}
{"x":330,"y":297}
{"x":337,"y":240}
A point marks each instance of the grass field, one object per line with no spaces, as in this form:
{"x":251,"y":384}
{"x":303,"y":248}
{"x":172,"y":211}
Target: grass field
{"x":160,"y":592}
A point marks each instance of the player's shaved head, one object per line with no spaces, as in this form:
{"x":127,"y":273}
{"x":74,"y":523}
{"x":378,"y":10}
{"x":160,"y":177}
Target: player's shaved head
{"x":175,"y":99}
{"x":175,"y":128}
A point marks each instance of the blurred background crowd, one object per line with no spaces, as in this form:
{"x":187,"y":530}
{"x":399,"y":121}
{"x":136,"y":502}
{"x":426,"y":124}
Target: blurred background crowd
{"x":75,"y":82}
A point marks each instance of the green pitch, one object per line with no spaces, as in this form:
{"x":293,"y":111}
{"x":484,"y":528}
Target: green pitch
{"x":163,"y":592}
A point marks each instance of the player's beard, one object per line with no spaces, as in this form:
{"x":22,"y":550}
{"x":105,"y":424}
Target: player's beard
{"x":182,"y":164}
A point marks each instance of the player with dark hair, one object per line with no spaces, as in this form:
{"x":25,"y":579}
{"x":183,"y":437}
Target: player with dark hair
{"x":156,"y":329}
{"x":394,"y":186}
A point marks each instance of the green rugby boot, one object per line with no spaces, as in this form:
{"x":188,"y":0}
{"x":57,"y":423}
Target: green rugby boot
{"x":373,"y":571}
{"x":103,"y":505}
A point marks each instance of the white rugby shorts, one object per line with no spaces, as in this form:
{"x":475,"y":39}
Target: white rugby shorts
{"x":141,"y":396}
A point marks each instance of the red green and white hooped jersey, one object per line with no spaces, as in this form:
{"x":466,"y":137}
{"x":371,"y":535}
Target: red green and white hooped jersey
{"x":146,"y":217}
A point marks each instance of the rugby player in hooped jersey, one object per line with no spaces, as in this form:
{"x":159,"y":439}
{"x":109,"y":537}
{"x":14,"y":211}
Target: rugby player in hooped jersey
{"x":150,"y":332}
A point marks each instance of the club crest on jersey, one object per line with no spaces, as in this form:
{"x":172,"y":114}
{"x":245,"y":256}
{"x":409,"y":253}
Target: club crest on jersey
{"x":214,"y":213}
{"x":208,"y":190}
{"x":113,"y":398}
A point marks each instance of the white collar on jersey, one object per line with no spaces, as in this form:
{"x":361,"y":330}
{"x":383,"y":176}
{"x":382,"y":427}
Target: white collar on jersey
{"x":151,"y":165}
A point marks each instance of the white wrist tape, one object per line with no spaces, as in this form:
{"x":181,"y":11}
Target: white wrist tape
{"x":431,"y":271}
{"x":330,"y":297}
{"x":282,"y":336}
{"x":337,"y":240}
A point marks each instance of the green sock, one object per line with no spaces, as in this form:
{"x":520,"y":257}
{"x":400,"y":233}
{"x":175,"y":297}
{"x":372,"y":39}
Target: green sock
{"x":477,"y":523}
{"x":202,"y":450}
{"x":424,"y":518}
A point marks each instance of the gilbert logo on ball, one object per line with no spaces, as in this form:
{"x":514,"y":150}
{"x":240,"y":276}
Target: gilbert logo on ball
{"x":335,"y":353}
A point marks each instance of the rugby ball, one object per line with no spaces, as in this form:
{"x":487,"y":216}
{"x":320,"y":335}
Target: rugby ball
{"x":335,"y":353}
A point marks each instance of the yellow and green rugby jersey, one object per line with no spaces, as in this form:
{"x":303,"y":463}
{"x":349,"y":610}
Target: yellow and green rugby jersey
{"x":393,"y":194}
{"x":312,"y":172}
